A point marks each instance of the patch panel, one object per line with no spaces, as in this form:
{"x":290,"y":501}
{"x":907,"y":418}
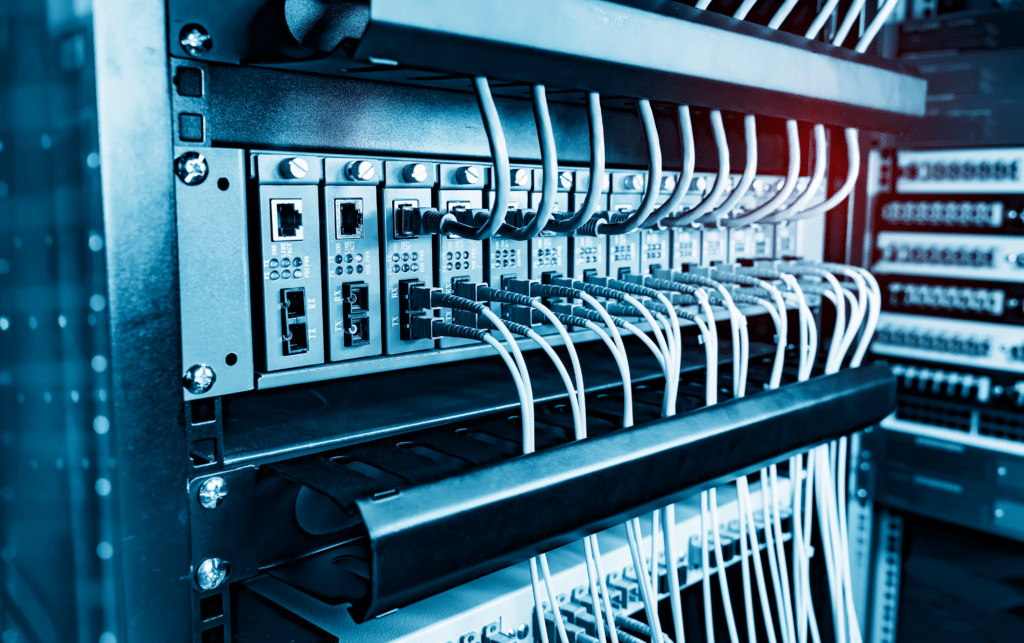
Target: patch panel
{"x":965,"y":171}
{"x":956,"y":256}
{"x":982,"y":301}
{"x":978,"y":214}
{"x":989,"y":301}
{"x":977,"y":344}
{"x":976,"y":403}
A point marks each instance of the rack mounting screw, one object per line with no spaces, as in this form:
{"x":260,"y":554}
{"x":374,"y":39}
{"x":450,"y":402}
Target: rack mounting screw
{"x":633,"y":182}
{"x":195,"y":40}
{"x":564,"y":180}
{"x":294,"y":168}
{"x":668,"y":183}
{"x":191,"y":168}
{"x":199,"y":379}
{"x":212,"y":573}
{"x":519,"y":177}
{"x":359,"y":171}
{"x":415,"y":173}
{"x":212,"y":492}
{"x":467,"y":175}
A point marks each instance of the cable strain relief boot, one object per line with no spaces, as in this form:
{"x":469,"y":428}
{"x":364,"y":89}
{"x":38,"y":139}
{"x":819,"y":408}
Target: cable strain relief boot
{"x":475,"y":218}
{"x":433,"y":221}
{"x":553,"y":290}
{"x":590,"y":228}
{"x":518,"y":329}
{"x":455,"y":302}
{"x":461,"y":332}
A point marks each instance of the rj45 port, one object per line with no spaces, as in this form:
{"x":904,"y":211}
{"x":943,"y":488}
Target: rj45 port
{"x":286,"y":220}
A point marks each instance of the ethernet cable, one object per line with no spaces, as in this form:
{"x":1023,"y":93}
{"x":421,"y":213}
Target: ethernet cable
{"x":747,"y":516}
{"x":738,"y":327}
{"x":851,"y":134}
{"x":782,"y":13}
{"x":874,"y":311}
{"x":705,"y":562}
{"x":788,"y":184}
{"x":817,"y":174}
{"x":502,"y":177}
{"x":723,"y":581}
{"x":689,"y":161}
{"x":594,"y":190}
{"x":721,"y":179}
{"x":432,"y":298}
{"x":781,"y":321}
{"x":623,"y":223}
{"x":436,"y":327}
{"x":749,"y":172}
{"x":671,"y":347}
{"x":549,"y":162}
{"x":748,"y":600}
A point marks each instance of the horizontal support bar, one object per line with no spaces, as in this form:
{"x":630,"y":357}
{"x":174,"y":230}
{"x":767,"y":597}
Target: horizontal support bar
{"x":489,"y":518}
{"x":674,"y":53}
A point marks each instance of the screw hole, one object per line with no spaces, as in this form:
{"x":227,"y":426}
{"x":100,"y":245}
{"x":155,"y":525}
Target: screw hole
{"x":231,"y":358}
{"x":223,"y":184}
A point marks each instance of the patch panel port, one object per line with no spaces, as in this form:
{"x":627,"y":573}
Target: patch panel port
{"x":294,"y":332}
{"x":355,"y":297}
{"x":406,"y":219}
{"x":286,"y":219}
{"x":405,"y":310}
{"x":348,"y":218}
{"x":357,"y":330}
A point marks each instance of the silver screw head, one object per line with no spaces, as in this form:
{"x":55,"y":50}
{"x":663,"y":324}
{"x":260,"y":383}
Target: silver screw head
{"x":415,"y":173}
{"x":564,"y":180}
{"x":700,"y":183}
{"x":212,"y":573}
{"x":360,"y":171}
{"x":191,"y":168}
{"x":467,"y":175}
{"x":212,"y":492}
{"x":199,"y":379}
{"x":195,"y":40}
{"x":633,"y":182}
{"x":668,"y":183}
{"x":520,"y":177}
{"x":294,"y":168}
